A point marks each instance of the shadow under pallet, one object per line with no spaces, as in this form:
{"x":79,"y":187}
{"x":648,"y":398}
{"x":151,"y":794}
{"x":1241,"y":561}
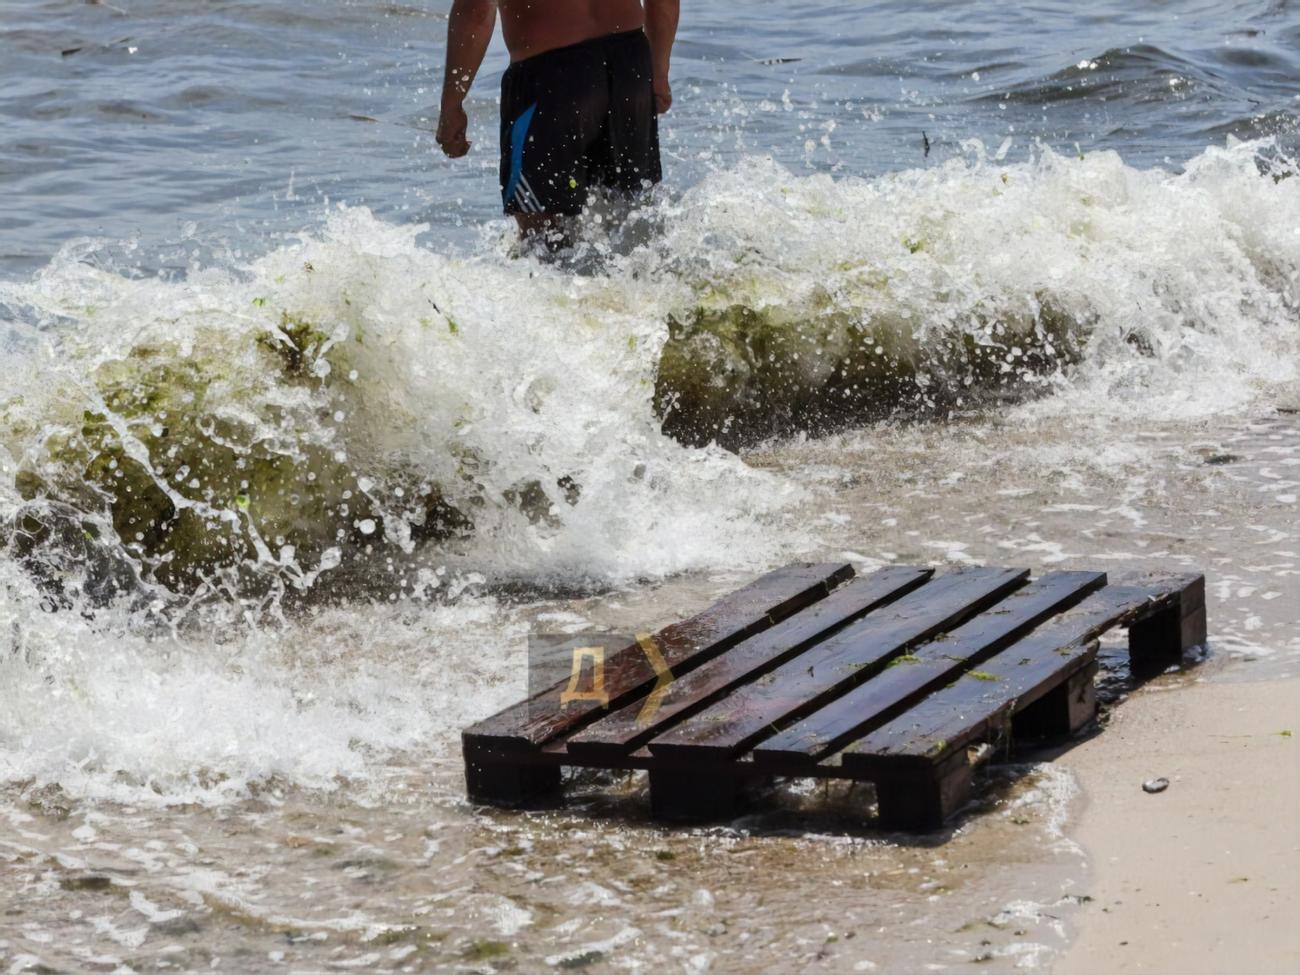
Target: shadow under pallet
{"x":904,"y":678}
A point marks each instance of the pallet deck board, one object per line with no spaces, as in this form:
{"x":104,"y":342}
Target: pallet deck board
{"x":931,"y":666}
{"x":628,"y":673}
{"x":835,"y":666}
{"x":1009,"y":681}
{"x":630,"y":727}
{"x":890,"y":678}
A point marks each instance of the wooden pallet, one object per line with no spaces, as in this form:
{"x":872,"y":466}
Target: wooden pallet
{"x":900,"y":678}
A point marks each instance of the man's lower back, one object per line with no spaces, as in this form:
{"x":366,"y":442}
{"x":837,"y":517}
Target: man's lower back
{"x":531,"y":27}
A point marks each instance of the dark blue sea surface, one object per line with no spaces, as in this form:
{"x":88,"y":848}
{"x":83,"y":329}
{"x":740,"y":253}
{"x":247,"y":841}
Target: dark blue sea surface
{"x":190,"y":127}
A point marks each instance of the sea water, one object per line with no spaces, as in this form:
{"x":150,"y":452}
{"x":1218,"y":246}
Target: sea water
{"x":297,"y":450}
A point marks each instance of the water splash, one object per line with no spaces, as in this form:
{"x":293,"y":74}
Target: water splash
{"x":820,"y":301}
{"x":343,"y":402}
{"x":357,"y":409}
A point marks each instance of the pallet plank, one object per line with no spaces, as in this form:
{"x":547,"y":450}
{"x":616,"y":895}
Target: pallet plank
{"x":629,"y":728}
{"x":495,"y":747}
{"x":828,"y":669}
{"x":982,"y":702}
{"x":927,"y":668}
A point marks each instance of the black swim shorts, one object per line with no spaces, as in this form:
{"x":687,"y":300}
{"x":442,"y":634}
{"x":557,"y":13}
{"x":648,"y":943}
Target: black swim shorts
{"x":575,"y":119}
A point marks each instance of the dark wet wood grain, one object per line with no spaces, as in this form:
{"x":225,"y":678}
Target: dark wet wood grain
{"x":927,"y":668}
{"x":889,"y":678}
{"x":629,"y":673}
{"x":636,"y":724}
{"x":754,"y":711}
{"x":981,"y":703}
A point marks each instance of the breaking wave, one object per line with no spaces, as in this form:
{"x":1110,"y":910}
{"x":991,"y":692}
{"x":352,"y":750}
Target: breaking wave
{"x":356,"y":413}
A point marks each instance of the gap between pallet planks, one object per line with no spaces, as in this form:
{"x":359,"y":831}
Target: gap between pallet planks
{"x":889,"y":678}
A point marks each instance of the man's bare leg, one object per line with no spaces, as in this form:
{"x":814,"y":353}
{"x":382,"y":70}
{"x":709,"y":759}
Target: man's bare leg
{"x":533,"y":224}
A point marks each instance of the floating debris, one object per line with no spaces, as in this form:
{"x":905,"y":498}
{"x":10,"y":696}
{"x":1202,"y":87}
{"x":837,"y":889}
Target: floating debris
{"x":1153,"y":786}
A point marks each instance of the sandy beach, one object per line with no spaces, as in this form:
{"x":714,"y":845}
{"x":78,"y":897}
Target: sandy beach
{"x":1201,"y":877}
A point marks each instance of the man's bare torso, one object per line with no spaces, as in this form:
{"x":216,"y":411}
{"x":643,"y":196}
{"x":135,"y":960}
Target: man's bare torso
{"x":533,"y":26}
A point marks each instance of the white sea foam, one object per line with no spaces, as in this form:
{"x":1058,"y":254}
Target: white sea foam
{"x":1182,"y":289}
{"x":107,"y":713}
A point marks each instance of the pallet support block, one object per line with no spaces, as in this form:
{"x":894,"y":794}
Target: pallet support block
{"x":1063,"y":711}
{"x":512,"y":785}
{"x":500,"y":782}
{"x":698,"y":796}
{"x":923,"y":797}
{"x":1159,"y":640}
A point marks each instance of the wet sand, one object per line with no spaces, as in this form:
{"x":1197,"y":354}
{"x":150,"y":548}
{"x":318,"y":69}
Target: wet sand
{"x":1201,"y":877}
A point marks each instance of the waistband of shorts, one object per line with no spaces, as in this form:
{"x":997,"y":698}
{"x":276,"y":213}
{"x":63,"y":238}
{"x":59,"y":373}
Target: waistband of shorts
{"x":572,"y":48}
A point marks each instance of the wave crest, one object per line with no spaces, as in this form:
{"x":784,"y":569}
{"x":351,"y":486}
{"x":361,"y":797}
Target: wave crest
{"x":357,"y":410}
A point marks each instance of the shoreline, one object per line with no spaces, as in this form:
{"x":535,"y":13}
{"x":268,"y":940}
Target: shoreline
{"x":1200,"y":877}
